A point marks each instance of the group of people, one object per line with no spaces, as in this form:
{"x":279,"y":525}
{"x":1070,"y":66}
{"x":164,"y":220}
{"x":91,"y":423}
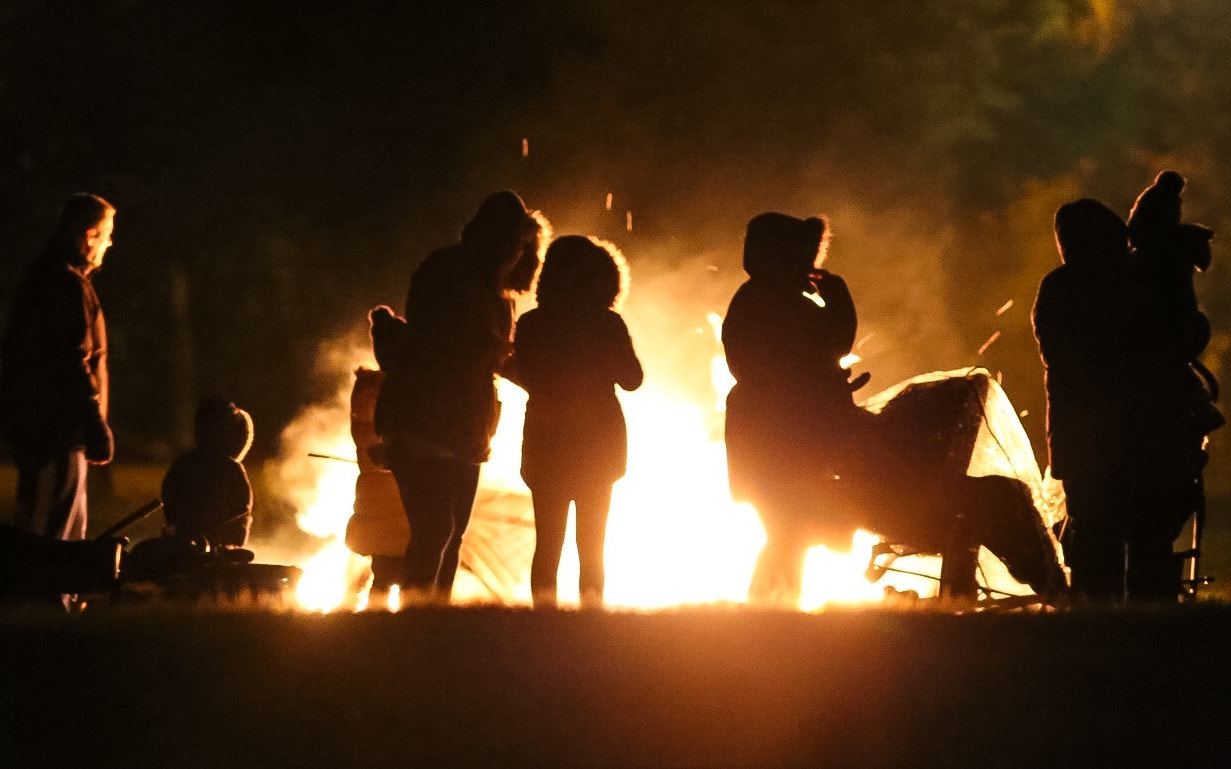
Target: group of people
{"x":1129,"y":403}
{"x":1118,"y":328}
{"x":1119,"y":331}
{"x":54,"y":387}
{"x":436,"y":410}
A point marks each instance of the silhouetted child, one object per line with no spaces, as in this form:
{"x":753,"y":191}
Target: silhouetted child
{"x":378,"y":526}
{"x":206,"y":495}
{"x":570,"y":353}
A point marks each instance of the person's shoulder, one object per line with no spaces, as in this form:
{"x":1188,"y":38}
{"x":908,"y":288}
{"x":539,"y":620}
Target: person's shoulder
{"x":612,"y":319}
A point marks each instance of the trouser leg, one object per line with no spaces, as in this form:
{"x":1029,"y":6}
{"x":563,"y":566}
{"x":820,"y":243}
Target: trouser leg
{"x":51,"y":497}
{"x":465,"y":482}
{"x":437,"y":495}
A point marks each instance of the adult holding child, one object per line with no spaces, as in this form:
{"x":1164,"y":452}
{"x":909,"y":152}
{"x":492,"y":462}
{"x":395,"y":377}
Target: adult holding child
{"x":437,"y":410}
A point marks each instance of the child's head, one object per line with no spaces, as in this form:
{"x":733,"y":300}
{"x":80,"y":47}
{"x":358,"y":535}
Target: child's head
{"x":1156,"y":213}
{"x":223,"y":427}
{"x":779,"y":247}
{"x":582,"y":272}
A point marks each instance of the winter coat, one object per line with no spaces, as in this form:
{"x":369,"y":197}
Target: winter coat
{"x":1082,"y":322}
{"x":378,"y":525}
{"x":790,"y":413}
{"x":570,"y":362}
{"x":206,"y":496}
{"x":439,"y":394}
{"x":53,"y":365}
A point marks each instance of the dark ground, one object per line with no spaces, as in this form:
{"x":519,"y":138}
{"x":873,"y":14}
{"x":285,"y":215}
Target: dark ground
{"x":720,"y":687}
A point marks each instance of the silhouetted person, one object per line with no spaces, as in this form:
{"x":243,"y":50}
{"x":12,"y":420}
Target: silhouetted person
{"x":1083,"y":323}
{"x":206,"y":496}
{"x":53,"y":374}
{"x":570,"y":353}
{"x":790,"y":415}
{"x":437,"y":409}
{"x":1173,"y":393}
{"x":377,"y":527}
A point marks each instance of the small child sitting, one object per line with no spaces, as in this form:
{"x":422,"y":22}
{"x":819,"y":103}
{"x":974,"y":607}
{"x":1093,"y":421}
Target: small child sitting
{"x":206,"y":495}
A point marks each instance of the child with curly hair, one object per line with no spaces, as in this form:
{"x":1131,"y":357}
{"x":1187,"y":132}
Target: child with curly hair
{"x":570,"y":353}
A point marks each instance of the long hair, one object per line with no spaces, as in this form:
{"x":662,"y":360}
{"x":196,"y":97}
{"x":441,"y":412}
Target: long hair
{"x":537,"y":235}
{"x":581,"y":272}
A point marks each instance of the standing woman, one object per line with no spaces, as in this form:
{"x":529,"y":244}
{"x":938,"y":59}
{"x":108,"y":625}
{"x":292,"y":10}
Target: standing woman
{"x":570,"y":353}
{"x":792,"y":424}
{"x":437,"y":409}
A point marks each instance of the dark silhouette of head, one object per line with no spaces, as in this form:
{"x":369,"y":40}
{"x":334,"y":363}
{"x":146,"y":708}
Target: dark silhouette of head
{"x":1156,"y":212}
{"x":778,"y":247}
{"x":581,"y":272}
{"x":222,"y":427}
{"x":498,"y":226}
{"x":1090,"y":235}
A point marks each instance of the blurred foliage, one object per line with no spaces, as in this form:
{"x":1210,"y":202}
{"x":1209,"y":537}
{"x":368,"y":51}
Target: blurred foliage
{"x":290,"y":161}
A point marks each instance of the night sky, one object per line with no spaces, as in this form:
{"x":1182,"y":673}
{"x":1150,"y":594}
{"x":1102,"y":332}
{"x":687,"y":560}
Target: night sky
{"x":280,"y":167}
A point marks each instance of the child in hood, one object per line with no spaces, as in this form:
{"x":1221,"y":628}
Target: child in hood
{"x":206,"y":495}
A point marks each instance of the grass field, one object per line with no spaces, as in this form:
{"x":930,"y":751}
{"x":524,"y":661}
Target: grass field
{"x":174,"y":686}
{"x":714,"y":687}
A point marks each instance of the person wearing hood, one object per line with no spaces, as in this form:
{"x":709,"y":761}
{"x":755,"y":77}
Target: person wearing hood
{"x":53,"y":374}
{"x":791,"y":415}
{"x":1083,"y":327}
{"x":437,"y":409}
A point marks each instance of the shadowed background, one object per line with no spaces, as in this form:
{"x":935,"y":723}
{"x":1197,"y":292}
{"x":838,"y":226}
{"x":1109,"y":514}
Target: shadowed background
{"x":281,"y":167}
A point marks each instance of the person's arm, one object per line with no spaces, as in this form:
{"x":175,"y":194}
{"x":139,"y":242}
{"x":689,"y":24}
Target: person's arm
{"x":840,"y":306}
{"x":627,"y":370}
{"x":72,"y":341}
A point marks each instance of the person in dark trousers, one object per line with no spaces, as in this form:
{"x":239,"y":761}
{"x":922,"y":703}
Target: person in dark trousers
{"x":1174,"y":394}
{"x":1083,"y":323}
{"x":570,"y":353}
{"x":206,"y":496}
{"x":437,"y":409}
{"x":53,"y":374}
{"x":791,"y":418}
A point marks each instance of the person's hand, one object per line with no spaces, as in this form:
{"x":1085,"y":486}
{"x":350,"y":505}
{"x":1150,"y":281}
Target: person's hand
{"x":99,"y":443}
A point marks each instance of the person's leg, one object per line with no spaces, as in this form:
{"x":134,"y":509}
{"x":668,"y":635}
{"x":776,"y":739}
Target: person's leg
{"x":387,"y":570}
{"x":1094,"y":546}
{"x":550,"y":520}
{"x":422,"y":484}
{"x":51,"y":497}
{"x":1164,"y":505}
{"x":777,"y":579}
{"x":464,"y":483}
{"x":593,"y":506}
